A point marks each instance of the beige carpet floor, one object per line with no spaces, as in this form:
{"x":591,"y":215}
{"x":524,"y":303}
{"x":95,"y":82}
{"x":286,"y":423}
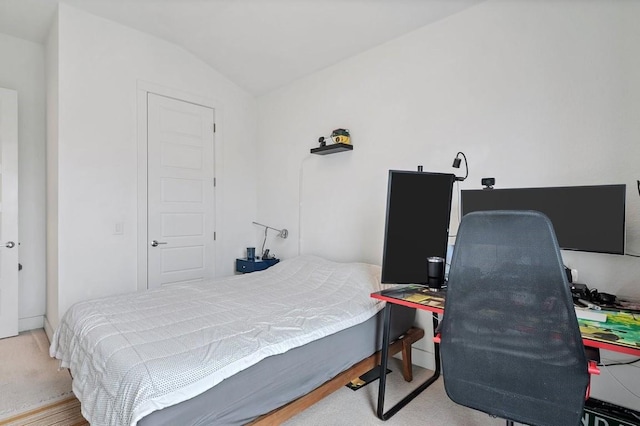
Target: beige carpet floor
{"x":431,"y":408}
{"x":29,"y":378}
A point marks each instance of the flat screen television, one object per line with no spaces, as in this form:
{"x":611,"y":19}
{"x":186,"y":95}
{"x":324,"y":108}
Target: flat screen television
{"x":417,"y":224}
{"x":585,"y":218}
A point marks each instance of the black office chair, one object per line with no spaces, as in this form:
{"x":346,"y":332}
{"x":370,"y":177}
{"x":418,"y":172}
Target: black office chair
{"x":510,"y":341}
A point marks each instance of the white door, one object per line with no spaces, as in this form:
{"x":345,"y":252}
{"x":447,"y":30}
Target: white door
{"x":8,"y":213}
{"x":180,"y":191}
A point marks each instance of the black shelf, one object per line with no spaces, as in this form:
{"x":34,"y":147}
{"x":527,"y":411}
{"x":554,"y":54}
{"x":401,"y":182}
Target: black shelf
{"x":331,"y":149}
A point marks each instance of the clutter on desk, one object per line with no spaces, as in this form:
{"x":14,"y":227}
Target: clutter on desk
{"x":628,"y":305}
{"x":593,"y":299}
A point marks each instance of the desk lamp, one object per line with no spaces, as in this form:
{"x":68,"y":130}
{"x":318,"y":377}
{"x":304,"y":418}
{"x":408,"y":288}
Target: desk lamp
{"x":282,"y":233}
{"x":456,"y":164}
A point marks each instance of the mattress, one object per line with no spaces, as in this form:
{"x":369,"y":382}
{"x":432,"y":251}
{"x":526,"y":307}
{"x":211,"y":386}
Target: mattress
{"x":134,"y":354}
{"x":280,"y":379}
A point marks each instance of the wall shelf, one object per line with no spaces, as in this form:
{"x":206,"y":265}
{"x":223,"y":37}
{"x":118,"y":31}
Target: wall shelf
{"x":332,"y":148}
{"x":246,"y":266}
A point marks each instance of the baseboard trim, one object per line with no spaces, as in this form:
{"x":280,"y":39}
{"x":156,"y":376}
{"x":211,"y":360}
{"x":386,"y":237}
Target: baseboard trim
{"x":31,"y":323}
{"x":48,"y":329}
{"x":422,"y":358}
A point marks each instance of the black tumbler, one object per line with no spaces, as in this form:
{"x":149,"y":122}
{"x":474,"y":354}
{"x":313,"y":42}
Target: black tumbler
{"x":435,"y":272}
{"x":251,"y":253}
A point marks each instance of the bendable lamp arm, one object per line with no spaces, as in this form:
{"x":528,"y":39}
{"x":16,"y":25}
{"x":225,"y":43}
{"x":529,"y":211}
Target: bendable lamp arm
{"x":282,"y":233}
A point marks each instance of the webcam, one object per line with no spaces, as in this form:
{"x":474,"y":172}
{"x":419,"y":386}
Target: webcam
{"x":488,"y":182}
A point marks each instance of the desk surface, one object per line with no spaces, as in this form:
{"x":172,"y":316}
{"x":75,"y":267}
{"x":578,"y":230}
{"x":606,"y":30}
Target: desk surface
{"x":418,"y":297}
{"x":620,"y":333}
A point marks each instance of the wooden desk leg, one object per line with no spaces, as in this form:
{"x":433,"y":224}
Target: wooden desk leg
{"x":407,"y":370}
{"x":412,"y":336}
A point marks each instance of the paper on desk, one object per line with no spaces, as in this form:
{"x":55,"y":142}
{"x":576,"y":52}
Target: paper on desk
{"x":590,"y":314}
{"x":425,"y":299}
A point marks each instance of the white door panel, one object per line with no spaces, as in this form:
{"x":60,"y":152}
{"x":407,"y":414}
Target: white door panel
{"x":9,"y":301}
{"x":185,"y":258}
{"x":181,"y":156}
{"x":182,"y":224}
{"x":180,"y":191}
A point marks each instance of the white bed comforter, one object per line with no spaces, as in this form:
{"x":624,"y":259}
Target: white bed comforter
{"x":136,"y":353}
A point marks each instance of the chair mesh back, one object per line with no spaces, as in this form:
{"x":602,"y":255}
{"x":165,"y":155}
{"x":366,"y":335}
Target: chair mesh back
{"x":511,"y":344}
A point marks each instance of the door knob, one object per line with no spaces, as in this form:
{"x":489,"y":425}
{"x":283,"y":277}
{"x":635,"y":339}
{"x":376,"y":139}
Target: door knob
{"x":10,"y":244}
{"x":156,"y":243}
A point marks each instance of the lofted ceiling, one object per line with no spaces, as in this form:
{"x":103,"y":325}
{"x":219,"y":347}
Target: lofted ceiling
{"x":260,"y":45}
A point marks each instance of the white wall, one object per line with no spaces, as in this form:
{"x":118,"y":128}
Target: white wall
{"x":23,"y":70}
{"x":100,"y":65}
{"x":535,"y":94}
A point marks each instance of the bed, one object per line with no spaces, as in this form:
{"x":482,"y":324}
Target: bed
{"x":221,"y":352}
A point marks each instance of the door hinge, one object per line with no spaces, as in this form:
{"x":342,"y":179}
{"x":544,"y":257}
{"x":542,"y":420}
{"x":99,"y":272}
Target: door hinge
{"x":214,"y":182}
{"x":214,"y":235}
{"x":214,"y":127}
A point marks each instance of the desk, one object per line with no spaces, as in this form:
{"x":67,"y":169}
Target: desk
{"x":621,"y":333}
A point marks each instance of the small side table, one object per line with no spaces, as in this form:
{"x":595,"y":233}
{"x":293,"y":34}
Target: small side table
{"x":245,"y":266}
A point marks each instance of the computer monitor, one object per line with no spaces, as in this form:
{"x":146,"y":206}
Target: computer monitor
{"x":417,"y":224}
{"x":585,"y":218}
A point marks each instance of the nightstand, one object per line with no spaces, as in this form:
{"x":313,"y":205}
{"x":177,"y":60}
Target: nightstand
{"x":245,"y":266}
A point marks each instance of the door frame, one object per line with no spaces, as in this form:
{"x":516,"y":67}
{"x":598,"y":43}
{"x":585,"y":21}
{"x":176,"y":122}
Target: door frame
{"x":143,"y":88}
